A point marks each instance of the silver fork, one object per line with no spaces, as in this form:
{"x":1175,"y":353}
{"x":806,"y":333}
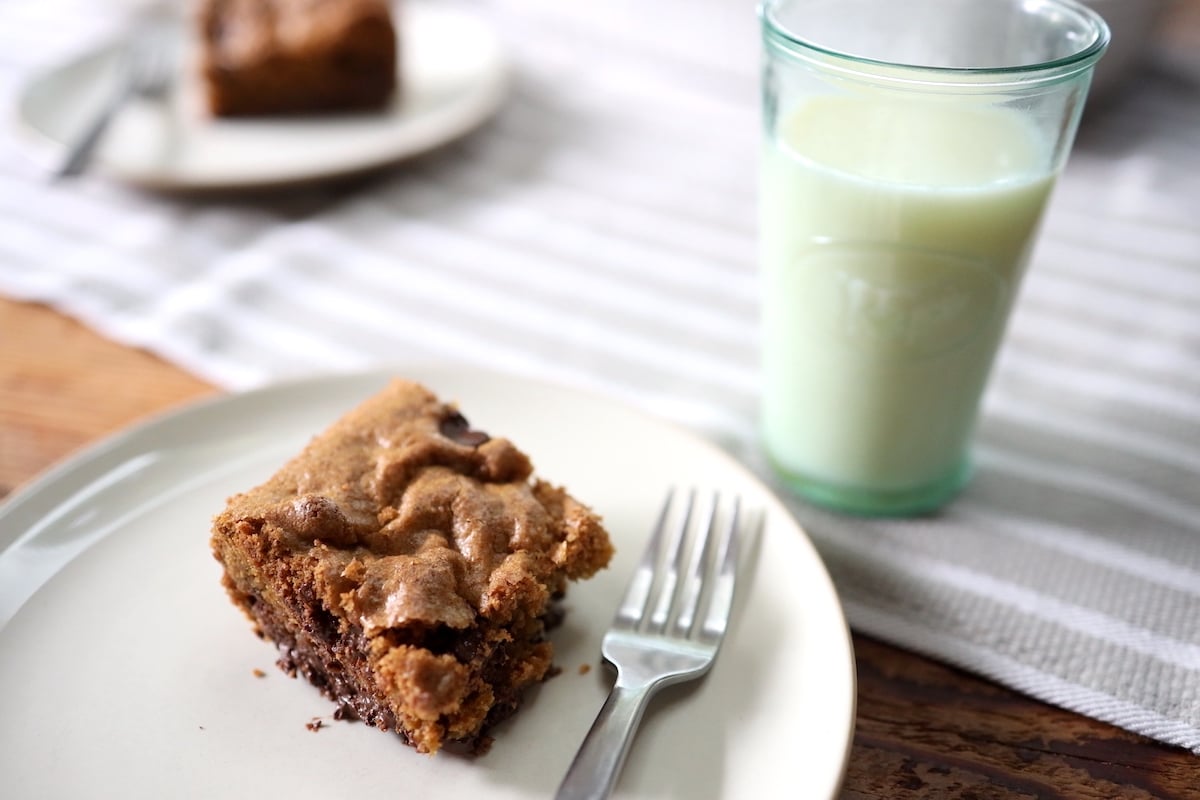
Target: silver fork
{"x":146,"y":69}
{"x":667,"y":629}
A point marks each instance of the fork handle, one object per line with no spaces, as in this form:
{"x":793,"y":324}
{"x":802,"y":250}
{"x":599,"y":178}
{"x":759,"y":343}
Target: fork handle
{"x":81,"y":149}
{"x":594,"y":772}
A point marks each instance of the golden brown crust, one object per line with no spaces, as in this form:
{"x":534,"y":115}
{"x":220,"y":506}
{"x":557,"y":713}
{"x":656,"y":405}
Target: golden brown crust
{"x":423,"y":551}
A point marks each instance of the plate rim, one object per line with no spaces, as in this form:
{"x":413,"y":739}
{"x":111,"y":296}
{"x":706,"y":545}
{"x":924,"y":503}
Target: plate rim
{"x":64,"y":480}
{"x":469,"y":115}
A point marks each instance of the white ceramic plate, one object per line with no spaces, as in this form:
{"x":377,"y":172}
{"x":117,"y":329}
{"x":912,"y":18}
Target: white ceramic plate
{"x":128,"y":673}
{"x":453,"y":73}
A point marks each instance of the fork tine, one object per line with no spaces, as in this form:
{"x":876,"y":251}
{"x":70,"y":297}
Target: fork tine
{"x":693,"y":584}
{"x":632,"y":609}
{"x":152,"y":60}
{"x":669,"y":566}
{"x":721,"y":602}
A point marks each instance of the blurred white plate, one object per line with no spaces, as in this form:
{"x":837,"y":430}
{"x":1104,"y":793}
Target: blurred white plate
{"x":126,"y":672}
{"x":453,"y":74}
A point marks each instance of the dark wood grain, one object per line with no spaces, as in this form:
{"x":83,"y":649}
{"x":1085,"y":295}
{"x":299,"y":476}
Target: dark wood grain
{"x":924,"y":730}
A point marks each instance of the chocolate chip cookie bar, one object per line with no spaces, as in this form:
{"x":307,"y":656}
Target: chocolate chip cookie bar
{"x":262,"y":57}
{"x":408,"y":566}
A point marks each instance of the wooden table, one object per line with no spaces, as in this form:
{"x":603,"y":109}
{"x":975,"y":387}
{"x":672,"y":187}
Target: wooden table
{"x":924,"y":730}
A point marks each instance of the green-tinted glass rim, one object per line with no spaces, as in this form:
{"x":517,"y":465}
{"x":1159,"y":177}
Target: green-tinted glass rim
{"x":1056,"y":69}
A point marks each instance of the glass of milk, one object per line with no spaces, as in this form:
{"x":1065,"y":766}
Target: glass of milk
{"x":909,"y":148}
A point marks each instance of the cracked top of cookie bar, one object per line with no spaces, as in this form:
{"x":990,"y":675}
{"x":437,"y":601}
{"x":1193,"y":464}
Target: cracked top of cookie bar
{"x":252,"y":31}
{"x":408,"y":517}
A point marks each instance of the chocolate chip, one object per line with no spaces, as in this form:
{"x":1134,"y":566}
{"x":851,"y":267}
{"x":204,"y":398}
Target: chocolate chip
{"x":457,"y":428}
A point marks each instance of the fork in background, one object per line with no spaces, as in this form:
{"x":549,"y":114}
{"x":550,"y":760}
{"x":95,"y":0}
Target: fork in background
{"x":146,"y":69}
{"x":663,"y":632}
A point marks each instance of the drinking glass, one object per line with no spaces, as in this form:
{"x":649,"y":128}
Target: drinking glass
{"x":908,"y":152}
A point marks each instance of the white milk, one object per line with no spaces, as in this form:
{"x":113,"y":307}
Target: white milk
{"x":889,"y":262}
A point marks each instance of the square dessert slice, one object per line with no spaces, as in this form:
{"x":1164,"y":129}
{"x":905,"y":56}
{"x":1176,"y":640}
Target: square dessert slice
{"x":261,"y":57}
{"x":407,"y":565}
